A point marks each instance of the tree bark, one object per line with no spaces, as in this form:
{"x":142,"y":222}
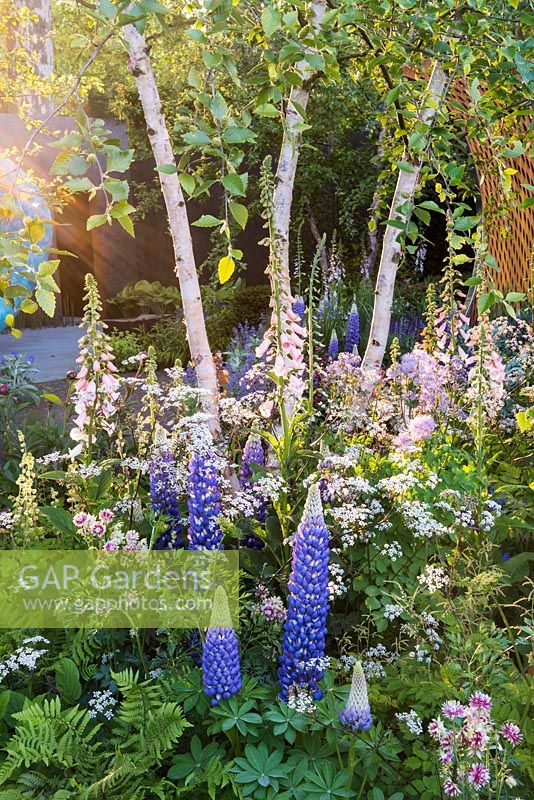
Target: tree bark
{"x":36,"y":39}
{"x":391,"y":248}
{"x":288,"y":159}
{"x":185,"y":267}
{"x":371,"y":250}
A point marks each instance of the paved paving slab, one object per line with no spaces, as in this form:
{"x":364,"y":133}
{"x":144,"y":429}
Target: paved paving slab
{"x":55,"y":350}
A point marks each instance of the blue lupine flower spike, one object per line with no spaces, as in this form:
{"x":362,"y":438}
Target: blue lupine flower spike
{"x":357,"y":712}
{"x":353,"y":330}
{"x":221,"y":672}
{"x":303,"y":642}
{"x":253,"y":453}
{"x":299,"y":308}
{"x":164,"y":498}
{"x":204,"y":504}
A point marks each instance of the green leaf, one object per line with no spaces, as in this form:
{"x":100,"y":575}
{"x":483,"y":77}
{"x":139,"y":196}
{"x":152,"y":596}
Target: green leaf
{"x":68,"y":680}
{"x":207,"y":221}
{"x":167,"y":169}
{"x":69,"y":164}
{"x":80,"y":184}
{"x":198,"y":138}
{"x":46,"y":300}
{"x":96,"y":220}
{"x":118,"y":160}
{"x":515,"y":297}
{"x":125,"y":222}
{"x":267,"y":110}
{"x":473,"y":281}
{"x":226,"y":268}
{"x":392,"y":95}
{"x":240,"y":213}
{"x":238,"y":135}
{"x":430,"y":205}
{"x":60,"y":519}
{"x":233,"y":183}
{"x":405,"y":166}
{"x":118,"y":189}
{"x":47,"y":268}
{"x":465,"y":223}
{"x":187,"y":182}
{"x":271,"y":20}
{"x":36,"y":230}
{"x":28,"y":306}
{"x":218,"y":107}
{"x":52,"y":398}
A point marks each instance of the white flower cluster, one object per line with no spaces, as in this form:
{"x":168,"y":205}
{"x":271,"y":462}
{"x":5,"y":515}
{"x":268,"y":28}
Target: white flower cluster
{"x":7,"y":519}
{"x":239,"y":505}
{"x":136,"y":464}
{"x":194,"y":431}
{"x":490,"y":513}
{"x":392,"y":611}
{"x":412,"y":720}
{"x":101,"y":702}
{"x":90,"y":470}
{"x":376,"y":658}
{"x":239,"y":413}
{"x":24,"y":657}
{"x":131,"y":360}
{"x":355,"y":521}
{"x":420,"y":520}
{"x":269,"y":487}
{"x":301,"y":702}
{"x":132,"y":506}
{"x":392,"y":550}
{"x":336,"y":585}
{"x":50,"y":458}
{"x":433,"y":578}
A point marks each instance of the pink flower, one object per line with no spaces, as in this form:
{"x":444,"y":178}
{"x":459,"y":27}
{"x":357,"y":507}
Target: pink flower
{"x":481,"y":701}
{"x":453,"y":708}
{"x":512,"y":732}
{"x":436,"y":728}
{"x":421,"y":427}
{"x":80,"y":519}
{"x":478,"y":775}
{"x":446,"y":756}
{"x":451,"y":788}
{"x":110,"y":546}
{"x":106,"y":515}
{"x":98,"y":529}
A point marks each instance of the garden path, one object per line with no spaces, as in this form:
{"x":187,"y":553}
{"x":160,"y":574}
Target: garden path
{"x":55,"y":350}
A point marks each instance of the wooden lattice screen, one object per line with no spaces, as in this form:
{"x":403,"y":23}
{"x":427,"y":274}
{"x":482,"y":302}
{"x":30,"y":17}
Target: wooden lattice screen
{"x":510,"y":238}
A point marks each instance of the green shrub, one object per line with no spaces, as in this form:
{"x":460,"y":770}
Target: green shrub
{"x":125,"y":345}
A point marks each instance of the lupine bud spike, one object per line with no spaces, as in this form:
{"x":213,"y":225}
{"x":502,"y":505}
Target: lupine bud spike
{"x":221,"y":672}
{"x":333,"y":347}
{"x":353,"y":330}
{"x":357,"y":712}
{"x":204,"y":504}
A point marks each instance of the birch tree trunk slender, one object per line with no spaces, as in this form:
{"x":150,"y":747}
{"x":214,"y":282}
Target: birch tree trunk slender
{"x":185,"y":267}
{"x":36,"y":38}
{"x":391,"y":248}
{"x":288,"y":159}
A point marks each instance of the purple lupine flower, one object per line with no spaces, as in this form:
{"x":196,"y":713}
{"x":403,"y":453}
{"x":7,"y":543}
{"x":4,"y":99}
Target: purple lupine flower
{"x":353,"y":330}
{"x":303,"y":643}
{"x":299,"y":307}
{"x":333,"y":346}
{"x":221,"y":672}
{"x":357,"y":712}
{"x":164,"y":498}
{"x":253,"y":453}
{"x":204,"y":504}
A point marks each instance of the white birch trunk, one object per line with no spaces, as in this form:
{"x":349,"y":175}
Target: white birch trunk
{"x":36,"y":39}
{"x":288,"y":159}
{"x":391,"y":249}
{"x":185,"y":266}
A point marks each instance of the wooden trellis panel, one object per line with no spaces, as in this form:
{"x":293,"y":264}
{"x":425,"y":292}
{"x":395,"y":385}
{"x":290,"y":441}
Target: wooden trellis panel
{"x":510,"y":238}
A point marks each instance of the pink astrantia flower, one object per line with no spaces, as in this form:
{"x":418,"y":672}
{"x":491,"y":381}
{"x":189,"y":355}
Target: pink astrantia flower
{"x":436,"y":728}
{"x":106,"y":515}
{"x":98,"y":529}
{"x":453,"y":708}
{"x":80,"y":519}
{"x":450,"y":788}
{"x":512,"y":733}
{"x":478,"y":775}
{"x":480,"y":701}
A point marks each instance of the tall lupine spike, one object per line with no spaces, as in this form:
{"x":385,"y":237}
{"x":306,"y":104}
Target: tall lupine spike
{"x":164,"y":497}
{"x":221,"y":672}
{"x":299,"y":307}
{"x":357,"y":712}
{"x":353,"y":330}
{"x":333,"y":347}
{"x":204,"y":504}
{"x":303,"y":643}
{"x":253,"y":453}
